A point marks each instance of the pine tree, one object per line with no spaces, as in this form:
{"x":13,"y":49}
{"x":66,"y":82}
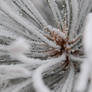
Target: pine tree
{"x":42,"y":46}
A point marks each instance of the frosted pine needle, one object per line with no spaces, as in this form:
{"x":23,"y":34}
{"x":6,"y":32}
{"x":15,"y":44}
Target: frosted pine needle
{"x":41,"y":45}
{"x":86,"y":72}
